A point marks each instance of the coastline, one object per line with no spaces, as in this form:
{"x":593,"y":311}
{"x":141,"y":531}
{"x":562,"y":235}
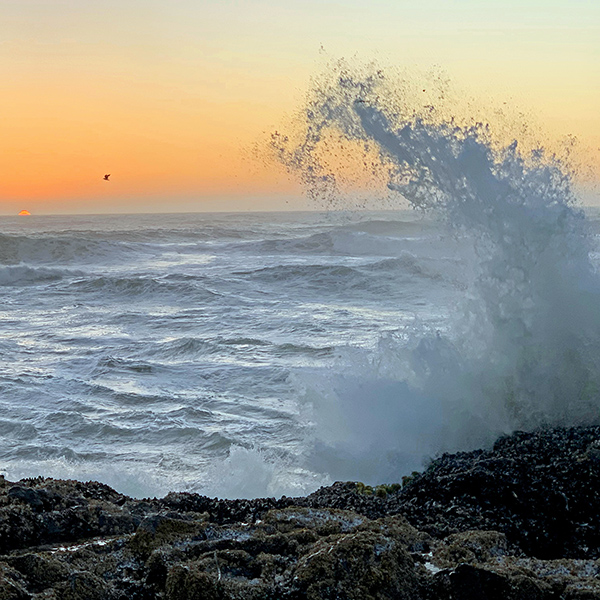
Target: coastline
{"x":517,"y":521}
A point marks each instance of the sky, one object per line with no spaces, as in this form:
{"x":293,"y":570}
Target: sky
{"x":170,"y":97}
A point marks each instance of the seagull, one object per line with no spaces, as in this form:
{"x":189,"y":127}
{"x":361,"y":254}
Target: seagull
{"x":106,"y":177}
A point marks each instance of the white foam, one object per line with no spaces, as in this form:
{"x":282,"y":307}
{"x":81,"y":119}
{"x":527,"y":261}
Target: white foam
{"x":253,"y":473}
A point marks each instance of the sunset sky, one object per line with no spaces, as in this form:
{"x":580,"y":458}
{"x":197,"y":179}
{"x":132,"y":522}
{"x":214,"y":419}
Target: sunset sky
{"x":171,"y":97}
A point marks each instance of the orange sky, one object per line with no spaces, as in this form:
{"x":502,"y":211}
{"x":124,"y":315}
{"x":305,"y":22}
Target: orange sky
{"x":171,"y":99}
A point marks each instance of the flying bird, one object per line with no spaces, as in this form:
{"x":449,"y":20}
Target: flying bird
{"x":106,"y":177}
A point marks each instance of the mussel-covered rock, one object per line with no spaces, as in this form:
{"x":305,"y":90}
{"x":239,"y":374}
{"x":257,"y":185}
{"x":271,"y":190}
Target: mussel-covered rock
{"x":517,"y":521}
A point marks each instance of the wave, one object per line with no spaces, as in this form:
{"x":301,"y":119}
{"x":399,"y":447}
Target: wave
{"x":190,"y":348}
{"x":368,"y":277}
{"x":317,"y":243}
{"x":15,"y":249}
{"x":143,"y":285}
{"x":22,"y":275}
{"x":409,"y":264}
{"x":303,"y":349}
{"x":320,"y":278}
{"x":395,"y":228}
{"x":365,"y":239}
{"x":105,"y":246}
{"x":522,"y":349}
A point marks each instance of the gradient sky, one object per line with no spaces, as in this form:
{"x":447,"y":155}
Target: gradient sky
{"x":170,"y":97}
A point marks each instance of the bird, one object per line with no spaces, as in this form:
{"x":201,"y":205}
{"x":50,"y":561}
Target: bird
{"x":106,"y":177}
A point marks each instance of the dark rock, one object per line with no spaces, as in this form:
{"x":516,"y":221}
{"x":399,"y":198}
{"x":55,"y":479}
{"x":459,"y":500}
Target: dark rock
{"x":190,"y":582}
{"x":541,"y":489}
{"x":12,"y":585}
{"x":471,"y":547}
{"x":45,"y":511}
{"x":84,"y":586}
{"x":519,"y":521}
{"x":40,"y":572}
{"x":364,"y":565}
{"x":158,"y":530}
{"x":469,"y":582}
{"x":36,"y":499}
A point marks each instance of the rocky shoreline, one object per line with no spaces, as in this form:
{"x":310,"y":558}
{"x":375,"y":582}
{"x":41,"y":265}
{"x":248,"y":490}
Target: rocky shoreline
{"x":519,"y":521}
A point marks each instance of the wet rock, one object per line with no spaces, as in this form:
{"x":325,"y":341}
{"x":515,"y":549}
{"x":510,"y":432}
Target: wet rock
{"x":36,"y":499}
{"x":363,"y":565}
{"x":322,"y":521}
{"x":580,"y":591}
{"x":471,"y":547}
{"x":191,"y":582}
{"x":40,"y":572}
{"x":12,"y":586}
{"x":470,"y":582}
{"x":45,"y":511}
{"x":84,"y":586}
{"x":156,"y":569}
{"x":520,"y":520}
{"x":541,"y":489}
{"x":159,"y":530}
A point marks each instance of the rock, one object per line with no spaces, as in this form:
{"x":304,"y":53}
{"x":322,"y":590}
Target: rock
{"x":518,"y":521}
{"x":40,"y":572}
{"x":190,"y":582}
{"x":159,"y":530}
{"x":469,"y":582}
{"x":45,"y":511}
{"x":471,"y":547}
{"x":541,"y":489}
{"x":362,"y":565}
{"x":322,"y":521}
{"x":84,"y":586}
{"x":11,"y":585}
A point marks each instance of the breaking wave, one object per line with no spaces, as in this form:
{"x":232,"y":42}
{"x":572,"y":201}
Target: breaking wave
{"x":16,"y":249}
{"x":522,"y":349}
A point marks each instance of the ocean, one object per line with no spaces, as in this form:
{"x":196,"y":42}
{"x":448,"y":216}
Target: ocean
{"x":267,"y":354}
{"x":237,"y":355}
{"x":160,"y":352}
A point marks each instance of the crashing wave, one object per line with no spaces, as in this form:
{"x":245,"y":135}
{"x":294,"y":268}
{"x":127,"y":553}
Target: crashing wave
{"x":522,"y":349}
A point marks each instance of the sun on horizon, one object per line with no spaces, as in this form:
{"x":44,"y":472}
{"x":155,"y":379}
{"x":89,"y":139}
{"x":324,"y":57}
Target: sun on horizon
{"x":24,"y":213}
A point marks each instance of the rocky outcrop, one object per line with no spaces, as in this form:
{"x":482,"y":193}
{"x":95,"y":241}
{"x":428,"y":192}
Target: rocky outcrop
{"x":519,"y":521}
{"x":541,"y":489}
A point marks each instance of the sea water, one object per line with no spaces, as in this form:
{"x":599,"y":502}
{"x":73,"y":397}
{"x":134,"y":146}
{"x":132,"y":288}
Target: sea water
{"x":158,"y":352}
{"x":258,"y":354}
{"x":229,"y":354}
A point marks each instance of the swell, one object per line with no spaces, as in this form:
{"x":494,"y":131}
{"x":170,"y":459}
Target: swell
{"x":143,"y":286}
{"x":23,"y":275}
{"x":386,"y":275}
{"x":367,"y":238}
{"x":16,"y":249}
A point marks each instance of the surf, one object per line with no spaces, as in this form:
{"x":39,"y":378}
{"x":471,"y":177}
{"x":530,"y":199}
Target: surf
{"x":522,"y":347}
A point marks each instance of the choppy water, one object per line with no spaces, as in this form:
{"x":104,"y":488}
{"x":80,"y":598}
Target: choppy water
{"x":175,"y":351}
{"x":267,"y":354}
{"x":231,"y":354}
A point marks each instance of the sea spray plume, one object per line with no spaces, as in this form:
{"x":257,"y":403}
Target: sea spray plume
{"x":535,"y":290}
{"x":534,"y":314}
{"x":523,"y":351}
{"x":317,"y":153}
